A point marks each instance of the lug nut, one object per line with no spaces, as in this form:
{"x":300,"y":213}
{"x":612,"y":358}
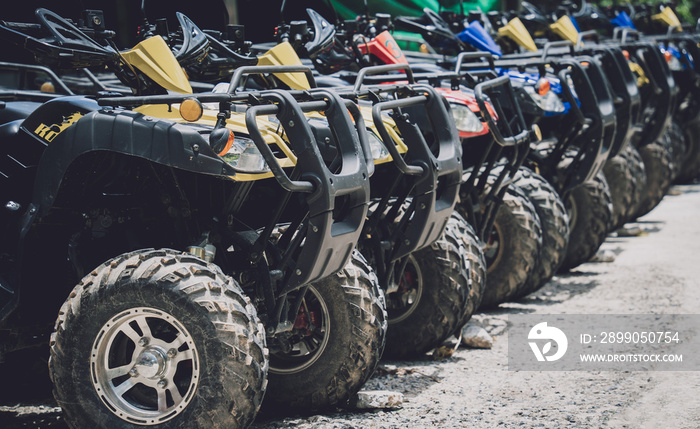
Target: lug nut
{"x":163,"y":383}
{"x":143,"y":341}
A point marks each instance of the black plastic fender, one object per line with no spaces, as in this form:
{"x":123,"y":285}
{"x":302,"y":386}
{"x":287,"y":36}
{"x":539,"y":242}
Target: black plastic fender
{"x":113,"y":130}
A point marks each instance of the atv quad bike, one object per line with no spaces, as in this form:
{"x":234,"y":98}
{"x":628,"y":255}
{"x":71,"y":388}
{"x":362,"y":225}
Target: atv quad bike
{"x":594,"y":137}
{"x":504,"y":219}
{"x":476,"y":139}
{"x":507,"y":272}
{"x":81,"y":178}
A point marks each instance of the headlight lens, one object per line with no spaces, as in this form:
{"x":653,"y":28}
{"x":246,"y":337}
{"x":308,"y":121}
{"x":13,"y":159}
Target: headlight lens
{"x":674,"y":64}
{"x":465,"y":119}
{"x":379,"y":151}
{"x":245,"y":156}
{"x":549,"y":102}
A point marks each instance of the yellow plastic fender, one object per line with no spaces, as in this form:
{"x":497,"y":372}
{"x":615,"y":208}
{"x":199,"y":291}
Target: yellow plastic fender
{"x":515,"y":29}
{"x":668,"y":17}
{"x":284,"y":54}
{"x":565,"y":29}
{"x":155,"y":59}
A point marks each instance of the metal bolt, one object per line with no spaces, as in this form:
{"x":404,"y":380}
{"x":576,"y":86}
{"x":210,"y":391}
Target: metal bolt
{"x":96,"y":20}
{"x":143,"y":341}
{"x":291,"y":123}
{"x":172,"y":353}
{"x":298,"y":272}
{"x":314,"y":228}
{"x":407,"y":242}
{"x":422,"y":206}
{"x":133,"y":372}
{"x":327,"y":140}
{"x":195,"y":147}
{"x":163,"y":383}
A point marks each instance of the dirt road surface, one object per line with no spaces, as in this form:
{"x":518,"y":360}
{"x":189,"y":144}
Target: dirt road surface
{"x":655,"y":272}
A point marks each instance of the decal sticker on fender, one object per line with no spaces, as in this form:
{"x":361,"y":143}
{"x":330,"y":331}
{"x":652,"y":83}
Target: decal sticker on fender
{"x":49,"y":132}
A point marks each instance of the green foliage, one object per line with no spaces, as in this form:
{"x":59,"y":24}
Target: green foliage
{"x":348,"y":9}
{"x":687,"y":11}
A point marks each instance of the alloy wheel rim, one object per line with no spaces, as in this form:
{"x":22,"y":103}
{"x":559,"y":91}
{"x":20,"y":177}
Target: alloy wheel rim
{"x":312,"y":326}
{"x":493,"y":249}
{"x":404,"y":301}
{"x":144,"y":366}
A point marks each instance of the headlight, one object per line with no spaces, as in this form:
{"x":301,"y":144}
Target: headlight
{"x":674,"y":64}
{"x":549,"y":102}
{"x":245,"y":156}
{"x":379,"y":151}
{"x":465,"y":119}
{"x":672,"y":56}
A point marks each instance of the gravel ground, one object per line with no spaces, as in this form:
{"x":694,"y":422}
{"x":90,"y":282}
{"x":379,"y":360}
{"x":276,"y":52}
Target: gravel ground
{"x":655,"y":272}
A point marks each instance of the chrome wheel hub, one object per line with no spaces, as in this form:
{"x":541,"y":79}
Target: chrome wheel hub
{"x":144,"y":366}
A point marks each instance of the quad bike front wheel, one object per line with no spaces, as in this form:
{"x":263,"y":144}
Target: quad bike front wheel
{"x":618,"y":173}
{"x":690,"y":169}
{"x":335,"y":345}
{"x":635,"y":164}
{"x":477,"y":267}
{"x":589,"y":206}
{"x":658,"y":165}
{"x":158,"y":338}
{"x":432,"y":294}
{"x":678,"y":147}
{"x":512,"y":249}
{"x":555,"y":228}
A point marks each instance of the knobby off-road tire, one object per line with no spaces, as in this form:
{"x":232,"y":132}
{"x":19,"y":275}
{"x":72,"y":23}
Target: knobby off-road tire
{"x":589,"y":206}
{"x":555,"y":228}
{"x":432,"y":296}
{"x":618,"y":173}
{"x":165,"y":339}
{"x":343,"y":350}
{"x":639,"y":181}
{"x":477,"y":268}
{"x":513,"y":248}
{"x":678,"y":148}
{"x":659,"y":168}
{"x":690,"y":169}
